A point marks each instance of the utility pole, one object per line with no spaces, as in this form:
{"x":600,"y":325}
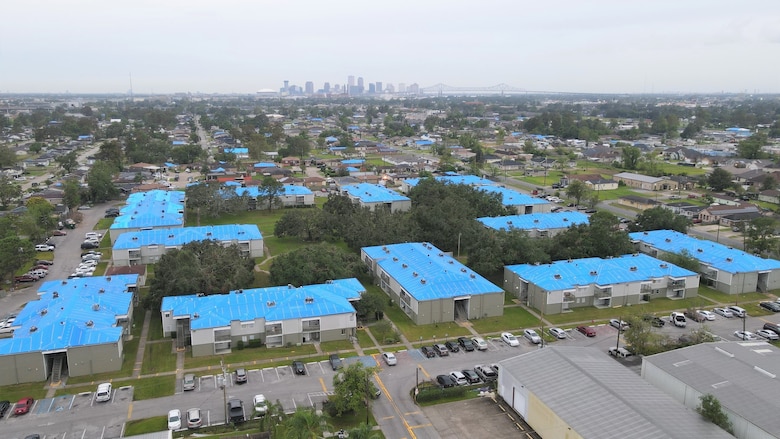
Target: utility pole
{"x":224,"y":389}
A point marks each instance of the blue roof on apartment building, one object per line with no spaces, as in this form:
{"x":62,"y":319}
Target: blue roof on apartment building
{"x":513,"y":198}
{"x":540,"y":221}
{"x":471,"y":180}
{"x":84,"y":312}
{"x":716,"y":255}
{"x":288,"y":189}
{"x":373,"y":193}
{"x":265,"y":165}
{"x":236,"y":150}
{"x":561,"y":275}
{"x":184,"y":235}
{"x":353,"y":162}
{"x":426,"y":273}
{"x":272,"y":304}
{"x":151,"y":209}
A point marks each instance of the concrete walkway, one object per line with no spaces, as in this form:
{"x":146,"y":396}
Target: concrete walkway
{"x":139,"y":356}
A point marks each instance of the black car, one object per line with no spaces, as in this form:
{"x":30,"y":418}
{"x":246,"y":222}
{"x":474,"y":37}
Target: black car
{"x":4,"y":406}
{"x":445,"y":381}
{"x":298,"y":368}
{"x":88,"y":245}
{"x":590,"y":211}
{"x":335,"y":361}
{"x":235,"y":410}
{"x":466,"y":344}
{"x":452,"y":346}
{"x":772,"y":306}
{"x":428,"y":351}
{"x":44,"y":262}
{"x":471,"y":376}
{"x":654,"y":321}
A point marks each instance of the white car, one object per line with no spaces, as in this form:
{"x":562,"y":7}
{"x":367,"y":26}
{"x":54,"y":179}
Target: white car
{"x":706,"y":314}
{"x":723,"y":312}
{"x":744,"y":335}
{"x":509,"y":339}
{"x":389,"y":358}
{"x":767,"y":334}
{"x":479,"y":343}
{"x":618,"y":324}
{"x":93,"y":235}
{"x":558,"y":333}
{"x":459,"y":378}
{"x":174,"y":419}
{"x":532,"y":336}
{"x":44,"y":248}
{"x":261,"y":405}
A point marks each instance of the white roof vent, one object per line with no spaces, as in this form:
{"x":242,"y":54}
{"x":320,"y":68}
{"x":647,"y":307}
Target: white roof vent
{"x":90,"y":323}
{"x":33,"y":328}
{"x":96,"y":307}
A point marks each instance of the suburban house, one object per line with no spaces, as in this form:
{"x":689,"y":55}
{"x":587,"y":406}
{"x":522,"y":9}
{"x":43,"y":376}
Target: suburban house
{"x":155,"y":209}
{"x":637,"y":202}
{"x":373,"y":196}
{"x":521,"y":203}
{"x":275,"y":316}
{"x":741,"y":375}
{"x":430,"y":286}
{"x":645,"y":182}
{"x":682,"y":154}
{"x":580,"y":392}
{"x":769,"y":196}
{"x":148,"y":246}
{"x":604,"y":283}
{"x":688,"y":210}
{"x":537,"y":225}
{"x":78,"y":325}
{"x":470,"y":180}
{"x":726,"y":269}
{"x":729,"y":215}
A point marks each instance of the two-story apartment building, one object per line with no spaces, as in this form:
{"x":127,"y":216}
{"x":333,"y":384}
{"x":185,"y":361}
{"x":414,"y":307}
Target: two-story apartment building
{"x":537,"y":225}
{"x":373,"y":196}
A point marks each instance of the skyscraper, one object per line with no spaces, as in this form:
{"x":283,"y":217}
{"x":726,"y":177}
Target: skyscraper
{"x":350,"y":81}
{"x":379,"y":86}
{"x":326,"y":87}
{"x":309,"y":88}
{"x":401,"y":87}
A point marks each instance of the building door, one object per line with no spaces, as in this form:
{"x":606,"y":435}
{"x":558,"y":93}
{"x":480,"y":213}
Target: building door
{"x":763,"y":279}
{"x":461,"y":309}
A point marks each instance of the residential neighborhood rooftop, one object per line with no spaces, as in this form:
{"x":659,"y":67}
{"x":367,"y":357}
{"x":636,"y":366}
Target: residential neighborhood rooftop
{"x":541,"y":221}
{"x":372,"y":193}
{"x":184,"y":235}
{"x":471,"y":180}
{"x":511,"y":197}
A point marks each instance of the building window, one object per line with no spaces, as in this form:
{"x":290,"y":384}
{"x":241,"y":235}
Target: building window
{"x":167,"y":314}
{"x":247,"y":325}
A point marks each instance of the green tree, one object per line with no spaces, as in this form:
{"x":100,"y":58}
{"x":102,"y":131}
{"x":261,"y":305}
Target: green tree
{"x":9,"y":190}
{"x":760,"y":235}
{"x":15,"y":253}
{"x":597,"y":239}
{"x":315,"y":264}
{"x":363,"y":431}
{"x":100,"y":183}
{"x":7,"y":157}
{"x":72,"y":194}
{"x":305,"y":224}
{"x":371,"y":305}
{"x":712,"y":411}
{"x":185,"y":154}
{"x":270,"y":190}
{"x":68,"y":162}
{"x":352,"y":388}
{"x":577,"y":190}
{"x":769,"y":183}
{"x":719,"y":179}
{"x":750,"y":148}
{"x":659,"y":218}
{"x":111,"y":153}
{"x":212,"y":199}
{"x":37,"y":221}
{"x":683,"y":259}
{"x":631,"y":156}
{"x":305,"y":423}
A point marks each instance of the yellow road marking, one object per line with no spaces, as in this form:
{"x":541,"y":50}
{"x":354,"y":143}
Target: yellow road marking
{"x":421,"y":425}
{"x":427,"y":376}
{"x":412,"y":413}
{"x":324,"y":387}
{"x":388,"y":417}
{"x":395,"y":407}
{"x":130,"y":411}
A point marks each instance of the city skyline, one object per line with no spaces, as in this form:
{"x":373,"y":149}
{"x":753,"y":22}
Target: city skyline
{"x":86,"y":46}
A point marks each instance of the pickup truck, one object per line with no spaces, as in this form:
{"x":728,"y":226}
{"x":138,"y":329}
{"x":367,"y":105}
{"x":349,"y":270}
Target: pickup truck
{"x":620,"y":352}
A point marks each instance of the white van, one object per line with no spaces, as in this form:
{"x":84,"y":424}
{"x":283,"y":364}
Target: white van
{"x":678,"y":319}
{"x":738,"y":311}
{"x":103,"y":393}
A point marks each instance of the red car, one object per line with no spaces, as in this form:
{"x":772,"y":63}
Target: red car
{"x":23,"y":406}
{"x":588,"y":331}
{"x":59,"y":233}
{"x":25,"y":278}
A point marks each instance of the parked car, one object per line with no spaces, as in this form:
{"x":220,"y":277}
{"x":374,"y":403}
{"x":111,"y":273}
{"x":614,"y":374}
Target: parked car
{"x":744,"y":335}
{"x":188,"y":382}
{"x":485,"y":372}
{"x":194,"y":418}
{"x":23,"y":406}
{"x":59,"y":233}
{"x":678,"y":319}
{"x":587,"y":331}
{"x":738,"y":311}
{"x":25,"y":278}
{"x":235,"y":410}
{"x":174,"y":419}
{"x":88,"y":245}
{"x":471,"y":376}
{"x":708,"y":315}
{"x":260,"y":404}
{"x":466,"y":344}
{"x":767,"y":334}
{"x":441,"y":350}
{"x":390,"y":358}
{"x":693,"y":315}
{"x":775,"y":327}
{"x":44,"y":262}
{"x":723,"y":312}
{"x":480,"y":343}
{"x":445,"y":381}
{"x":4,"y":406}
{"x":103,"y":393}
{"x":532,"y":336}
{"x":298,"y":368}
{"x":240,"y":375}
{"x":452,"y":346}
{"x":460,"y":379}
{"x":557,"y":333}
{"x":654,"y":321}
{"x":335,"y":361}
{"x":93,"y":235}
{"x":44,"y":248}
{"x":619,"y":352}
{"x":428,"y":351}
{"x":771,"y":306}
{"x":620,"y":325}
{"x":510,"y":339}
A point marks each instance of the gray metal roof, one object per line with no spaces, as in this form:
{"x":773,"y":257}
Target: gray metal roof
{"x":601,"y":399}
{"x":744,"y":376}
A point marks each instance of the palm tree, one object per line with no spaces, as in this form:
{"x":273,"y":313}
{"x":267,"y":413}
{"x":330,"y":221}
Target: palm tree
{"x":305,"y":424}
{"x":363,"y":431}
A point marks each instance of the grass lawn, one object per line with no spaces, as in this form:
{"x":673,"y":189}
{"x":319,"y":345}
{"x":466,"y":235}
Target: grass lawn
{"x":414,"y":332}
{"x":18,"y":391}
{"x":261,"y":280}
{"x":728,"y":299}
{"x":101,"y":268}
{"x":278,"y":246}
{"x":150,"y":388}
{"x":249,"y":355}
{"x":656,"y":306}
{"x":158,"y":357}
{"x":75,"y":390}
{"x":352,"y":420}
{"x":371,"y":351}
{"x":155,"y":327}
{"x":621,"y":191}
{"x":104,"y":224}
{"x":337,"y":345}
{"x":364,"y":340}
{"x":514,"y":318}
{"x":148,"y":425}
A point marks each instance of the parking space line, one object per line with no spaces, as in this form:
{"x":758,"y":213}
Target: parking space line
{"x":427,"y":376}
{"x":130,"y":411}
{"x":324,"y":387}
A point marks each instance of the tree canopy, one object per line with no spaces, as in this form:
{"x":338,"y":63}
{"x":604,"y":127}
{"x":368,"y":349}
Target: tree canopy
{"x":659,"y":218}
{"x":352,"y":387}
{"x":315,"y":264}
{"x":719,"y":179}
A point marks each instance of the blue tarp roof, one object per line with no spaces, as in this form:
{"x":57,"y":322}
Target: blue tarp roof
{"x":423,"y":142}
{"x":84,"y":313}
{"x":331,"y":139}
{"x":178,"y":142}
{"x":220,"y":169}
{"x":288,"y":189}
{"x":562,"y":275}
{"x":151,"y":209}
{"x":237,"y":150}
{"x":373,"y":193}
{"x":337,"y":148}
{"x":716,"y":255}
{"x":471,"y":180}
{"x":513,"y":198}
{"x":265,"y":165}
{"x":352,"y":169}
{"x":353,"y":162}
{"x":272,"y":304}
{"x":170,"y":165}
{"x":540,"y":221}
{"x":184,"y":235}
{"x":426,"y":273}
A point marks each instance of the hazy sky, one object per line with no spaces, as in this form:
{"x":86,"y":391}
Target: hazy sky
{"x":621,"y":46}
